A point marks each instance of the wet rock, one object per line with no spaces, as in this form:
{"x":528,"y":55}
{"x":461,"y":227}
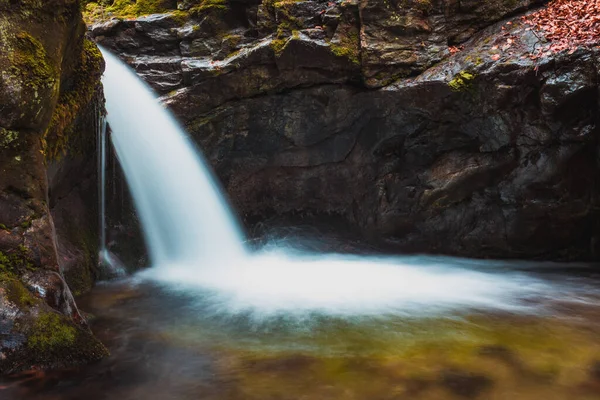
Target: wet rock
{"x":44,"y":61}
{"x":400,"y":40}
{"x":358,"y":111}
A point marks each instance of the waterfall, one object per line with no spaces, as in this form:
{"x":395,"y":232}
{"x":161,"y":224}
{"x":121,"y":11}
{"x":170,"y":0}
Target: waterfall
{"x":101,"y":146}
{"x":195,"y":242}
{"x":184,"y":215}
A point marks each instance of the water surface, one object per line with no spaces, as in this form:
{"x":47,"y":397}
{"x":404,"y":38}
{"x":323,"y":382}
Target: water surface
{"x":185,"y":342}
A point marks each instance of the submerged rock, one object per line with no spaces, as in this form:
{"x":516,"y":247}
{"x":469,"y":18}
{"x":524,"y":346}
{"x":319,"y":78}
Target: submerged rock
{"x":464,"y":384}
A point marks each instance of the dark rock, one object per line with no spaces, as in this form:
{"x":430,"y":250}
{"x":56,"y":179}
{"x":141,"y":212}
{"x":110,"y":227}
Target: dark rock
{"x":471,"y":156}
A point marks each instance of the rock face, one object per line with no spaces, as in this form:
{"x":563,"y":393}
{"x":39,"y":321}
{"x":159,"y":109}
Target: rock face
{"x":49,"y":83}
{"x":359,"y":110}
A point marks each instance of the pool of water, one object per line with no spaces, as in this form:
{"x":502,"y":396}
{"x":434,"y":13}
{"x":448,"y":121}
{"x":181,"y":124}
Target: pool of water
{"x":174,"y":342}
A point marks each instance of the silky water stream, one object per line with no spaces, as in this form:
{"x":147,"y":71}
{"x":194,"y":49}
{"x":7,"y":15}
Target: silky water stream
{"x":211,"y":319}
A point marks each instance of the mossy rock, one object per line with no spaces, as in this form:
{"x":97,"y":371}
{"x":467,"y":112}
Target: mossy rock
{"x":16,"y":261}
{"x":58,"y":138}
{"x":51,"y":333}
{"x":52,"y":341}
{"x":31,"y":64}
{"x":461,"y":81}
{"x":16,"y":292}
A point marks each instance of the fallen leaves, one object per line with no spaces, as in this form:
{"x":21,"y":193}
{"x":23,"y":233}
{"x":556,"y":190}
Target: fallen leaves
{"x":566,"y":24}
{"x":455,"y":49}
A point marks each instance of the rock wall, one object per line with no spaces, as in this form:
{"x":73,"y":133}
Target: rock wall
{"x":50,"y":96}
{"x":360,"y":110}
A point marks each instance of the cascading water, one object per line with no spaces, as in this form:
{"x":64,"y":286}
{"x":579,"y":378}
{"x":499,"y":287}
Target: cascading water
{"x":184,"y":216}
{"x":103,"y":255}
{"x":195,"y":241}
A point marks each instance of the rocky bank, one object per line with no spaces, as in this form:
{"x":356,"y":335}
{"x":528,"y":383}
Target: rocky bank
{"x":424,"y":124}
{"x":50,"y":99}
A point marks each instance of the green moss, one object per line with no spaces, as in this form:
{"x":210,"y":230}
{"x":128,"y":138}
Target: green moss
{"x":132,"y":8}
{"x":4,"y":227}
{"x":30,"y":64}
{"x":209,"y":5}
{"x":232,"y":40}
{"x":349,"y":53}
{"x":461,"y":81}
{"x":51,"y":332}
{"x":278,"y":45}
{"x":181,"y":17}
{"x":58,"y":138}
{"x":15,"y":261}
{"x":348,"y":46}
{"x":16,"y":292}
{"x":8,"y":138}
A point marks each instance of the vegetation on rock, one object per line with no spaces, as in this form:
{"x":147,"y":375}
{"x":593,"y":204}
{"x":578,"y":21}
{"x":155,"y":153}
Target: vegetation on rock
{"x":127,"y":8}
{"x":30,"y":63}
{"x":58,"y":136}
{"x":50,"y":332}
{"x":461,"y":81}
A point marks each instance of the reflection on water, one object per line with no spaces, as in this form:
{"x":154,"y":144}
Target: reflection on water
{"x":169,"y":344}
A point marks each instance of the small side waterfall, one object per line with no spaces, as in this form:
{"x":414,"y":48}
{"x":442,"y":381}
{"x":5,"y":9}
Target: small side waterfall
{"x":185,"y":217}
{"x":101,"y":146}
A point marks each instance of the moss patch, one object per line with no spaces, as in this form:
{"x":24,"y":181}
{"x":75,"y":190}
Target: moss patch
{"x":348,"y":52}
{"x":30,"y":63}
{"x":209,"y":5}
{"x":132,"y":8}
{"x":16,"y":292}
{"x":50,"y":332}
{"x":8,"y":138}
{"x":15,"y":262}
{"x":461,"y":81}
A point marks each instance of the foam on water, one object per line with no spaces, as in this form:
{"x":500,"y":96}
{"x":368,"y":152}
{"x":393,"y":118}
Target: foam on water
{"x":196,"y":244}
{"x":276,"y":284}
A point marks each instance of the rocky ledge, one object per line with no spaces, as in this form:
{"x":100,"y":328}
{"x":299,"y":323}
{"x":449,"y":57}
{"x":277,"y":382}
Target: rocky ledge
{"x":426,"y":124}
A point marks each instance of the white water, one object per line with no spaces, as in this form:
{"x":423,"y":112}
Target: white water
{"x":196,"y":244}
{"x":101,"y":136}
{"x":184,"y":216}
